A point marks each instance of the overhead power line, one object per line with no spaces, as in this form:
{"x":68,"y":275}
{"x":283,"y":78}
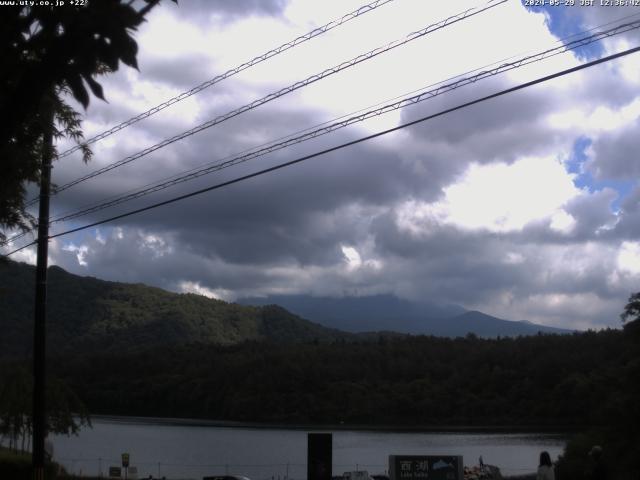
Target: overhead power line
{"x":328,"y":128}
{"x":229,"y":73}
{"x":567,"y":42}
{"x":344,"y":145}
{"x":291,"y":88}
{"x":17,"y":236}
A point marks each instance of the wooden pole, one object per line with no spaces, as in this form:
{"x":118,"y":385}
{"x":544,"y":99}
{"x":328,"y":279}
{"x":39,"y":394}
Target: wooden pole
{"x":40,"y":318}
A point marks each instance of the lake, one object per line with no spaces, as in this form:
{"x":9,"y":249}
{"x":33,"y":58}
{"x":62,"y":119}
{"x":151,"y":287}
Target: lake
{"x":192,"y":451}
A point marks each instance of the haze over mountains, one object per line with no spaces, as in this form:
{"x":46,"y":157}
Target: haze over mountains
{"x":88,"y":314}
{"x":390,"y":313}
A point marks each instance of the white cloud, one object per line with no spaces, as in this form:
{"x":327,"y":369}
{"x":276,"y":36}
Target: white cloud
{"x":100,"y":238}
{"x":28,"y":255}
{"x":171,"y":36}
{"x":80,"y":251}
{"x":629,"y":66}
{"x":576,"y":310}
{"x":503,"y":198}
{"x":157,"y":245}
{"x":195,"y":287}
{"x":594,"y":119}
{"x":514,"y":258}
{"x":629,"y":258}
{"x":352,"y":257}
{"x":562,"y":222}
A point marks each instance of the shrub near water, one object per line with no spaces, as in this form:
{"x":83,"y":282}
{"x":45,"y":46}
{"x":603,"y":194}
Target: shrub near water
{"x":617,"y":432}
{"x":17,"y":466}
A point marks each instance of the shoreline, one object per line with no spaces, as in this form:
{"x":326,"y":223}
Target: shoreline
{"x":197,"y":422}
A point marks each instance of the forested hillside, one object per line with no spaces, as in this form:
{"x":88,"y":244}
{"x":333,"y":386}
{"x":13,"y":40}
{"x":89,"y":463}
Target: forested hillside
{"x":136,"y":350}
{"x":86,"y":315}
{"x":547,"y":380}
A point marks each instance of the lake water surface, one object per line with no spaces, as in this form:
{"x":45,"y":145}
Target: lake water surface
{"x":192,"y":451}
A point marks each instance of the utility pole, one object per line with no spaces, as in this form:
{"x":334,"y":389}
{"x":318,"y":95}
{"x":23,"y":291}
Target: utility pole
{"x":39,"y":328}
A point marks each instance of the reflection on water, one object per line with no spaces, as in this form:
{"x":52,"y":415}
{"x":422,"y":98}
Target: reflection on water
{"x":179,"y":451}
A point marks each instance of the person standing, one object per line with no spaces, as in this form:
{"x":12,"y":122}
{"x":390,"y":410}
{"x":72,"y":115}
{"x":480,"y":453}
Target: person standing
{"x":545,"y":469}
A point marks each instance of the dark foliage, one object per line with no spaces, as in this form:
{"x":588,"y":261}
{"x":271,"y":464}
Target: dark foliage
{"x":545,"y":381}
{"x":66,"y":414}
{"x":618,"y":432}
{"x":46,"y":52}
{"x":584,"y":382}
{"x":87,"y":315}
{"x":18,"y":466}
{"x":136,"y":350}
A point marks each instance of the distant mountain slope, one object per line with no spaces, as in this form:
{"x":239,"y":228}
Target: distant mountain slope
{"x":88,"y":314}
{"x":485,"y":325}
{"x":390,"y":313}
{"x":361,"y":314}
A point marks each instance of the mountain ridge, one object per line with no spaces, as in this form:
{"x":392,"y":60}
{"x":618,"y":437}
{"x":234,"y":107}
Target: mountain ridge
{"x":390,"y":313}
{"x":88,"y":314}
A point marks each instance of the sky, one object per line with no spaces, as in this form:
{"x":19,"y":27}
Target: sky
{"x":524,"y":207}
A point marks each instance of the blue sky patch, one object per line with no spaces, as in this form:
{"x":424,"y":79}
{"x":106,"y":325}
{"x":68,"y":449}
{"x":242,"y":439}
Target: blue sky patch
{"x":563,"y":22}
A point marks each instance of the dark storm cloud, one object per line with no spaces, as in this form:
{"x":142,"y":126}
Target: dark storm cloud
{"x":179,"y":71}
{"x":441,"y":149}
{"x":290,"y":214}
{"x":469,"y":268}
{"x":608,"y":17}
{"x":158,"y":258}
{"x":131,"y":255}
{"x":593,"y":213}
{"x":300,"y":215}
{"x":209,"y":146}
{"x":443,"y":264}
{"x":631,"y":204}
{"x":276,"y":217}
{"x":628,"y":226}
{"x":447,"y":265}
{"x":593,"y":220}
{"x":500,"y":129}
{"x":286,"y":230}
{"x":616,"y":154}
